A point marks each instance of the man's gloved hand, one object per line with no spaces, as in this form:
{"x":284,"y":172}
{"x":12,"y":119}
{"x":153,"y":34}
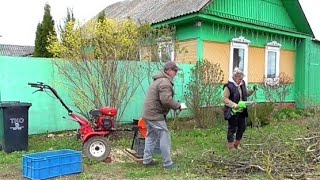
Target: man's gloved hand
{"x":255,"y":87}
{"x":183,"y":106}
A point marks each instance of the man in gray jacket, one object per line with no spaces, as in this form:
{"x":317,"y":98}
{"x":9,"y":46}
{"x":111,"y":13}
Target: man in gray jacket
{"x":158,"y":102}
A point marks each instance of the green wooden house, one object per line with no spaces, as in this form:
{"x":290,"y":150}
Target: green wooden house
{"x":262,"y":37}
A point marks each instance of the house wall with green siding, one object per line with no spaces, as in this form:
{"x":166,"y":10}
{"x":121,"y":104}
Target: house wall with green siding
{"x":222,"y":33}
{"x":314,"y":69}
{"x":46,"y":113}
{"x":307,"y":73}
{"x":273,"y":13}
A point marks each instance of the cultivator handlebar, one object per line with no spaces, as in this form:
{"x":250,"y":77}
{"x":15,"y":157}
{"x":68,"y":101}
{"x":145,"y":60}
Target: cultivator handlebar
{"x":41,"y":87}
{"x":134,"y":128}
{"x":38,"y":85}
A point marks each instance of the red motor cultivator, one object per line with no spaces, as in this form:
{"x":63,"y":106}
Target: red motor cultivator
{"x":93,"y":132}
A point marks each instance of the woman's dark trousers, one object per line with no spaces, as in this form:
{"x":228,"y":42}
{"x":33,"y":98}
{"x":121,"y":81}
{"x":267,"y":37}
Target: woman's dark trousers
{"x":237,"y":124}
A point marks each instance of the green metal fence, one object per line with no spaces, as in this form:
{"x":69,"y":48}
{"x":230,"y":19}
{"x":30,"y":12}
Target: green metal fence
{"x":46,"y":113}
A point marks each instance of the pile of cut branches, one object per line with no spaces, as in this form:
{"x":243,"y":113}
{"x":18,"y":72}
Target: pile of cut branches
{"x":275,"y":156}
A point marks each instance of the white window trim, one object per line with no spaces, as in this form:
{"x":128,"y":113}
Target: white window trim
{"x":240,"y":43}
{"x":272,"y":47}
{"x":164,"y":41}
{"x":161,"y":44}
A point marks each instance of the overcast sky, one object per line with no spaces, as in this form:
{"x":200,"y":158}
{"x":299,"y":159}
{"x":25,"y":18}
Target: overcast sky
{"x":19,"y":18}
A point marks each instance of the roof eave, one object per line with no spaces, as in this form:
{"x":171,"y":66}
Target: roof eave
{"x":299,"y":10}
{"x":252,"y":26}
{"x":304,"y":15}
{"x":177,"y":20}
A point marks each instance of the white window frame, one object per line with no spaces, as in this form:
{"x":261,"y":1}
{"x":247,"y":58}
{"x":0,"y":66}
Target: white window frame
{"x":239,"y":43}
{"x":167,"y":41}
{"x":272,"y":47}
{"x":160,"y":43}
{"x":166,"y":44}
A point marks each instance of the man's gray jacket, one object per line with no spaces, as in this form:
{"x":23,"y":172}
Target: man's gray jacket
{"x":159,"y":99}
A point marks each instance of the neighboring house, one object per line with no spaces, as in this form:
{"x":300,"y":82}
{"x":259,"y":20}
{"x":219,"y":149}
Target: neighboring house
{"x":262,"y":37}
{"x":16,"y":50}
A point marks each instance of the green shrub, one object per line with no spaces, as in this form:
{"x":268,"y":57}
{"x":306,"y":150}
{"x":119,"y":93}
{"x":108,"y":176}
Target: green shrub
{"x":291,"y":114}
{"x":260,"y":114}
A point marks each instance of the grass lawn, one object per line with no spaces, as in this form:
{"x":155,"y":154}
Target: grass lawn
{"x":191,"y":147}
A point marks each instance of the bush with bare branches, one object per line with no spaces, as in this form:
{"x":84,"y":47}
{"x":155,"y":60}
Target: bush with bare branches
{"x":204,"y":91}
{"x":101,"y":63}
{"x":277,"y":89}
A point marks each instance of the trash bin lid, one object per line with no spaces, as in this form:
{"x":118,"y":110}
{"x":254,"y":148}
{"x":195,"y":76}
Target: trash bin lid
{"x":13,"y":103}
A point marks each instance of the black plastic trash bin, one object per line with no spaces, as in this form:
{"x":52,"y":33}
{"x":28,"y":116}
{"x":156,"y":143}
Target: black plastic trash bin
{"x":14,"y":126}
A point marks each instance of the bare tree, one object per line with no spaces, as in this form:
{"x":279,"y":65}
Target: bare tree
{"x":101,"y":61}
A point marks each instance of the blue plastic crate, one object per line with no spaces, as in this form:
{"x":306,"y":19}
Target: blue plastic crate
{"x":51,"y":164}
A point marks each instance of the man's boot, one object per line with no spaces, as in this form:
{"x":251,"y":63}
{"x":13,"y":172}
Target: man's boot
{"x":230,"y":145}
{"x":237,"y":144}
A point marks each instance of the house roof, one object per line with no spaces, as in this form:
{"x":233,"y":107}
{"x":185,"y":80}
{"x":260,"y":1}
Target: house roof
{"x":297,"y":15}
{"x":156,"y":11}
{"x":15,"y":50}
{"x":153,"y":11}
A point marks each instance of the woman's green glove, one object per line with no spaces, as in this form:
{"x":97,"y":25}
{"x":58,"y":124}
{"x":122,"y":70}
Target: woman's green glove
{"x":242,"y":105}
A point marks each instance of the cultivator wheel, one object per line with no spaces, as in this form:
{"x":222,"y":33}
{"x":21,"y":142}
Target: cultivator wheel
{"x":97,"y":148}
